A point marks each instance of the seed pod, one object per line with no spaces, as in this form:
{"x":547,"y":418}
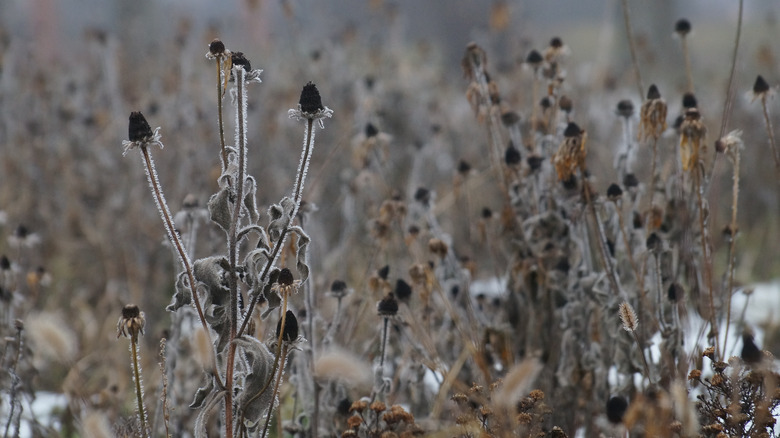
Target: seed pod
{"x":616,"y":409}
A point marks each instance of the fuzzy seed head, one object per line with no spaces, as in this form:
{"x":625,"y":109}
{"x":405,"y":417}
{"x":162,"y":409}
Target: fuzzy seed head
{"x":616,"y":409}
{"x":628,"y":317}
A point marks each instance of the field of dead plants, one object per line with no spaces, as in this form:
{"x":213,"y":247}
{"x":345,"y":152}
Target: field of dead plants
{"x":222,"y":231}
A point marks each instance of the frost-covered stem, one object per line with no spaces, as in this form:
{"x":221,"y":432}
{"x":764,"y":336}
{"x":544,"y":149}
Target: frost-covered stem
{"x":602,"y":243}
{"x":239,"y":73}
{"x":659,"y":302}
{"x":303,"y":167}
{"x":770,"y":133}
{"x":688,"y":71}
{"x":173,"y":236}
{"x":632,"y":50}
{"x":281,"y":354}
{"x":15,"y":381}
{"x":705,"y":248}
{"x":630,"y":251}
{"x":732,"y":243}
{"x":384,"y":343}
{"x":653,"y":179}
{"x":138,"y":385}
{"x":219,"y":111}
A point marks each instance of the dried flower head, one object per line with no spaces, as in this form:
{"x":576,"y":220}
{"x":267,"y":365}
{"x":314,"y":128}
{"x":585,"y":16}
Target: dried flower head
{"x":534,"y":59}
{"x":565,"y":104}
{"x":682,"y":27}
{"x":692,"y":137}
{"x":140,"y":134}
{"x":285,"y":283}
{"x":616,"y":409}
{"x":216,"y":48}
{"x":625,"y":108}
{"x":310,"y":105}
{"x":290,"y":332}
{"x":387,"y":306}
{"x":652,"y":115}
{"x":571,"y":153}
{"x":338,"y":289}
{"x":131,"y":323}
{"x":731,"y":143}
{"x":512,"y":155}
{"x":614,"y":192}
{"x":750,"y":353}
{"x":403,"y":290}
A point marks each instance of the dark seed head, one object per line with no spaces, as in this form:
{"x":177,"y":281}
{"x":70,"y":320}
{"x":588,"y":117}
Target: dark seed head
{"x":509,"y":118}
{"x":238,"y":58}
{"x":285,"y":277}
{"x":630,"y":181}
{"x":511,"y":155}
{"x":370,"y":130}
{"x":422,"y":195}
{"x":21,"y":231}
{"x":682,"y":27}
{"x":625,"y":108}
{"x":290,"y":332}
{"x":675,"y":292}
{"x":130,"y":311}
{"x":760,"y":86}
{"x":616,"y":409}
{"x":5,"y":264}
{"x":383,"y":272}
{"x":139,"y":128}
{"x":487,"y":213}
{"x":534,"y":58}
{"x":556,"y":43}
{"x":750,"y":351}
{"x":402,"y":289}
{"x":463,"y":167}
{"x":614,"y":192}
{"x":689,"y":100}
{"x":545,"y":103}
{"x":653,"y":93}
{"x":338,"y":286}
{"x":310,"y":101}
{"x":534,"y":162}
{"x":654,"y":242}
{"x":572,"y":130}
{"x":387,"y":306}
{"x":216,"y":47}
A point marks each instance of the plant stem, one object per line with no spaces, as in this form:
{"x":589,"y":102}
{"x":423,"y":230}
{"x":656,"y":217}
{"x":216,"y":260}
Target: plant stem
{"x":297,"y":193}
{"x":138,"y":384}
{"x":219,"y":111}
{"x":239,"y":74}
{"x":770,"y":133}
{"x":632,"y":50}
{"x":732,"y":243}
{"x":173,"y":235}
